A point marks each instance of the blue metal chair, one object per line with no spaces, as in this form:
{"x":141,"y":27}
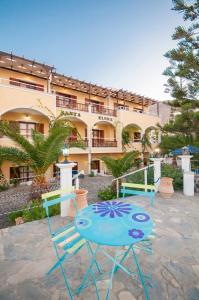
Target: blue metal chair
{"x":65,"y":239}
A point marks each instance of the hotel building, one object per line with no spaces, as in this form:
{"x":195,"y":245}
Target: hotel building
{"x":29,"y":90}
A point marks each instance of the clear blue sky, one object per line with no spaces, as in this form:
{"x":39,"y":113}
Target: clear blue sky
{"x":116,"y":43}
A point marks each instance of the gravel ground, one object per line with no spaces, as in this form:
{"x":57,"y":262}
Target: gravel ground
{"x":15,"y":198}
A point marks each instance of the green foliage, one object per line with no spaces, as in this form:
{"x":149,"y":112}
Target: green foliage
{"x":14,"y":181}
{"x":166,"y":171}
{"x":126,"y":138}
{"x":34,"y":211}
{"x":41,"y":151}
{"x":107,"y":193}
{"x":118,"y":167}
{"x":4,"y":187}
{"x":183,"y":72}
{"x":91,"y":174}
{"x":182,"y":131}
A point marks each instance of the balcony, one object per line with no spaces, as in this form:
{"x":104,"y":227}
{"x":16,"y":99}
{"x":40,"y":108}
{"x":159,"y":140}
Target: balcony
{"x":100,"y":109}
{"x":84,"y":141}
{"x":104,"y":143}
{"x":65,"y":102}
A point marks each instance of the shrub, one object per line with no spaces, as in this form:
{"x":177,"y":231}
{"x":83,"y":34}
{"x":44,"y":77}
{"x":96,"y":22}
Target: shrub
{"x":107,"y":193}
{"x":4,"y":187}
{"x":91,"y":174}
{"x":34,"y":211}
{"x":166,"y":171}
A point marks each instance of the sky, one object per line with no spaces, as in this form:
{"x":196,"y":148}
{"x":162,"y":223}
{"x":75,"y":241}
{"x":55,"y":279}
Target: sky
{"x":114,"y":43}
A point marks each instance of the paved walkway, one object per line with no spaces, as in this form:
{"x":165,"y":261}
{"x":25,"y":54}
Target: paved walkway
{"x":26,"y":254}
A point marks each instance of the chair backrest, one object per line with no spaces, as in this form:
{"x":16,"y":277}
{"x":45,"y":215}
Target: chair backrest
{"x":53,"y":198}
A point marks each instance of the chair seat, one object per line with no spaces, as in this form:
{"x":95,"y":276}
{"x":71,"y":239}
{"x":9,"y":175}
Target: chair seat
{"x":69,"y":239}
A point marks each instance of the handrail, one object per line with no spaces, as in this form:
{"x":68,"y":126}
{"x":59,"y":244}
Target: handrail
{"x":76,"y":178}
{"x":136,"y":171}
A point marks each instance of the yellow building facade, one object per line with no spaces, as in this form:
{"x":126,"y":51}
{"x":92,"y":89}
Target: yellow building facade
{"x":31,"y":91}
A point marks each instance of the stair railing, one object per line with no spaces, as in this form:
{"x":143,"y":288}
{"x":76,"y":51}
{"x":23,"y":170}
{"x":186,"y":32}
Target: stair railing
{"x":76,"y":179}
{"x":145,"y":169}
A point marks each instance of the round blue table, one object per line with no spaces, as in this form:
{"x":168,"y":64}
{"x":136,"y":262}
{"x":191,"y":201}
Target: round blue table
{"x":113,"y":223}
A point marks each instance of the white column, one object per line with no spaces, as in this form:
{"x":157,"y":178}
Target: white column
{"x":157,"y":170}
{"x":188,"y":183}
{"x":186,"y":164}
{"x":65,"y":184}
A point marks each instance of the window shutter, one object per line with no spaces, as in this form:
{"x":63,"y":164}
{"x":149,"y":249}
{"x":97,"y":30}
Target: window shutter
{"x":14,"y":125}
{"x":40,"y":127}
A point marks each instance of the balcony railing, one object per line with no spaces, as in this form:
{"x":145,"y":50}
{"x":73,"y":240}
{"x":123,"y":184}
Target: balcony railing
{"x":26,"y":85}
{"x":100,"y":109}
{"x":65,"y":102}
{"x":104,"y":143}
{"x":83,"y":140}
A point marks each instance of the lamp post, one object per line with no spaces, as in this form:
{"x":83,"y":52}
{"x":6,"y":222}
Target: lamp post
{"x":65,"y":152}
{"x":65,"y":179}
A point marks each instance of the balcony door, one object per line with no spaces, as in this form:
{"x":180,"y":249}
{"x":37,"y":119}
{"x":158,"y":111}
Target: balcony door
{"x":98,"y":137}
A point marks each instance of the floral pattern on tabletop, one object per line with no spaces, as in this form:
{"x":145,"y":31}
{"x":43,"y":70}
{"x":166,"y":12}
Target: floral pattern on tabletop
{"x":140,"y":217}
{"x":83,"y":222}
{"x":112,"y":209}
{"x":136,"y":233}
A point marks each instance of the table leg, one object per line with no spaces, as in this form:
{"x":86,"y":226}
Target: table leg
{"x":87,"y":273}
{"x":112,"y":274}
{"x":141,"y":276}
{"x":123,"y":258}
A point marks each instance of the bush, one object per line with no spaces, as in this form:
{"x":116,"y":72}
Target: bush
{"x":107,"y":193}
{"x":91,"y":174}
{"x":34,"y":211}
{"x":14,"y":181}
{"x":4,"y":187}
{"x":166,"y":171}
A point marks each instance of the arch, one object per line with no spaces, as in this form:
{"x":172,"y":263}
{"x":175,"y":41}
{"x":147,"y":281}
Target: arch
{"x":25,"y":110}
{"x":74,"y":118}
{"x":104,"y":123}
{"x":152,"y":127}
{"x":133,"y":125}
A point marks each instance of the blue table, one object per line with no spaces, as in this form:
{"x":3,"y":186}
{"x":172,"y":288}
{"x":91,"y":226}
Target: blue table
{"x":114,"y":223}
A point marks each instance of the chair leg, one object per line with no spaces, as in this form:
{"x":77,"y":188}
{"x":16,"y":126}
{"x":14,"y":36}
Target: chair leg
{"x":64,"y":274}
{"x":57,"y":264}
{"x":141,"y":276}
{"x":88,"y":271}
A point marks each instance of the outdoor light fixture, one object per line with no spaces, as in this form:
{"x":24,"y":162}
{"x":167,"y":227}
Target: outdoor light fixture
{"x":27,"y":116}
{"x":65,"y":152}
{"x":157,"y":152}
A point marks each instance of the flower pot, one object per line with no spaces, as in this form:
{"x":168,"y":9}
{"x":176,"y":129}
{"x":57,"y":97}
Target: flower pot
{"x":19,"y":221}
{"x":81,"y":200}
{"x":166,"y":187}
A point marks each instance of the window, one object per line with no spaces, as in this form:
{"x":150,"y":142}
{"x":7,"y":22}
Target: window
{"x":23,"y":173}
{"x":26,"y":84}
{"x":26,"y":128}
{"x":121,"y":106}
{"x":97,"y":106}
{"x":136,"y":136}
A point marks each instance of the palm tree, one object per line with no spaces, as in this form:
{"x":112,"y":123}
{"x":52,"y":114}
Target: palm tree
{"x":145,"y":142}
{"x":120,"y":166}
{"x":39,"y":152}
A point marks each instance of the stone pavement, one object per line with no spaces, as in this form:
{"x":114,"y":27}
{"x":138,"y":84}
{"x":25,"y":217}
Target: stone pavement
{"x":26,"y":254}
